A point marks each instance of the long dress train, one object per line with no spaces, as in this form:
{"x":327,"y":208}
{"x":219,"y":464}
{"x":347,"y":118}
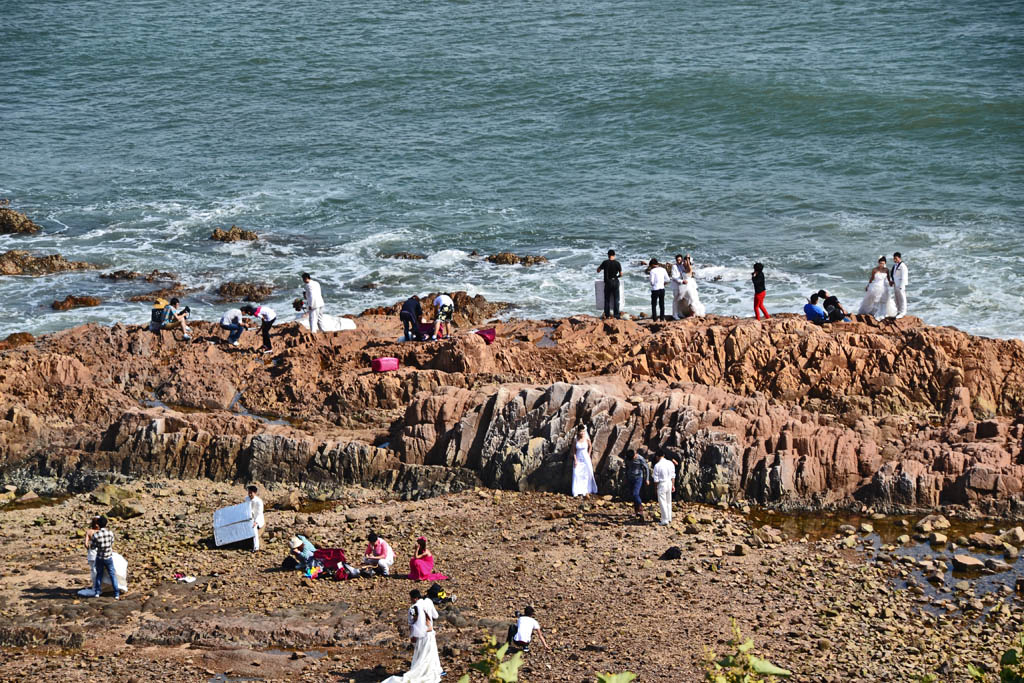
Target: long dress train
{"x":426,"y":663}
{"x":583,"y":481}
{"x":877,"y":301}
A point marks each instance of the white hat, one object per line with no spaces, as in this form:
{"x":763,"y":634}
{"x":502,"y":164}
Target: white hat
{"x":295,"y":542}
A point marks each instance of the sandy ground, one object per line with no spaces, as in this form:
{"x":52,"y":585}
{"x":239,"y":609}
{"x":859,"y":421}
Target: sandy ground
{"x":604,"y":599}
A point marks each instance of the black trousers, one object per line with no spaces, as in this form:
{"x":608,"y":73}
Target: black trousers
{"x":657,"y":300}
{"x":611,"y":297}
{"x":265,"y":331}
{"x":409,"y":326}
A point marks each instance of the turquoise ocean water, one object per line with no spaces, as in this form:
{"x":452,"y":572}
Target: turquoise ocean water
{"x":812,"y":136}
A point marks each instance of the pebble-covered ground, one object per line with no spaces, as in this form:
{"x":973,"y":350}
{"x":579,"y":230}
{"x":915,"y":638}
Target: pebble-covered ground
{"x":823,"y":608}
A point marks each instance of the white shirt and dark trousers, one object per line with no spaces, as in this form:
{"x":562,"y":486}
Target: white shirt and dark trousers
{"x":521,"y":633}
{"x":900,"y":277}
{"x":315,"y":304}
{"x":659,"y":276}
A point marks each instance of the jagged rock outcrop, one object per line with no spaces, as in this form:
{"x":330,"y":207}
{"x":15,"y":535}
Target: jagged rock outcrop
{"x":71,"y":301}
{"x":244,"y":291}
{"x":234,"y":234}
{"x":507,"y":258}
{"x":21,"y":262}
{"x":15,"y":222}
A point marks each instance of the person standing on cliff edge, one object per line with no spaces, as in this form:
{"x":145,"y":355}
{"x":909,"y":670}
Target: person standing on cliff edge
{"x":314,"y":303}
{"x":898,"y":279}
{"x":612,"y":272}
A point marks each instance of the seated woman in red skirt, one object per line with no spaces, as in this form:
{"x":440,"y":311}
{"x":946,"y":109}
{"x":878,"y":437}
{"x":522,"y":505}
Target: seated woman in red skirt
{"x":421,"y":566}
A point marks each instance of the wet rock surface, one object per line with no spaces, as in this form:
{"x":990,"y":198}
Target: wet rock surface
{"x":233,"y":234}
{"x":71,"y":301}
{"x":507,"y":258}
{"x":15,"y":222}
{"x":20,"y":262}
{"x":405,"y":255}
{"x":152,"y":276}
{"x":244,"y":291}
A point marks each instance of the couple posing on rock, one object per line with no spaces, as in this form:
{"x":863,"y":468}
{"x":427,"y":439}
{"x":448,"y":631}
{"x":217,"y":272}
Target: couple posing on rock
{"x":877,"y":301}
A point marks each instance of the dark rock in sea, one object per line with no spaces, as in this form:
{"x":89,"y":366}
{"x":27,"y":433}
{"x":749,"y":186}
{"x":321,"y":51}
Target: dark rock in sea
{"x":20,"y":262}
{"x":119,"y":275}
{"x":174,"y":289}
{"x":469,"y":310}
{"x":16,"y":339}
{"x":407,"y":255}
{"x":14,"y":222}
{"x":244,"y":291}
{"x":71,"y":301}
{"x":234,"y":234}
{"x":507,"y":258}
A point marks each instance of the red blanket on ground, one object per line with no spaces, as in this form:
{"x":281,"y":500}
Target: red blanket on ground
{"x":422,"y":569}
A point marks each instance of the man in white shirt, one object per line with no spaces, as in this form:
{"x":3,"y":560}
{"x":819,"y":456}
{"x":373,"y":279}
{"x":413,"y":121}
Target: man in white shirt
{"x":256,"y":512}
{"x":521,"y":633}
{"x":314,"y":303}
{"x":232,"y":322}
{"x":445,"y":312}
{"x":659,"y":276}
{"x":898,"y":278}
{"x":664,"y":477}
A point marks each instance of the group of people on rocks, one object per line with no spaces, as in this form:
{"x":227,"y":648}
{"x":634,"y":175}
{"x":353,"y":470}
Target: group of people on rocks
{"x":822,"y":307}
{"x":415,"y":326}
{"x":685,"y":299}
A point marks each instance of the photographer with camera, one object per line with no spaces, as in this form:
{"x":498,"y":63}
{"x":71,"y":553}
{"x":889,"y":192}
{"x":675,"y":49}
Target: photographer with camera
{"x":172,"y":318}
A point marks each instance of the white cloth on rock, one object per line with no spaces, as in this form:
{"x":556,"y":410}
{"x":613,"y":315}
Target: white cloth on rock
{"x":426,"y":663}
{"x":328,"y":323}
{"x":685,"y":300}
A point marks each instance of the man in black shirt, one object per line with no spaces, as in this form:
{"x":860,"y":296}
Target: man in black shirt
{"x":834,"y":309}
{"x":612,"y":271}
{"x":411,"y":316}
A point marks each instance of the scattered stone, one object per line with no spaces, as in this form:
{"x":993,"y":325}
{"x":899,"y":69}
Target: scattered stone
{"x":866,"y":528}
{"x":234,"y":234}
{"x":70,"y":302}
{"x":983,"y":540}
{"x":937,"y":539}
{"x":932,"y":523}
{"x":967,"y":563}
{"x":904,"y":539}
{"x":1014,"y":536}
{"x":997,"y":565}
{"x":740,"y":549}
{"x":124,"y":510}
{"x":28,"y":496}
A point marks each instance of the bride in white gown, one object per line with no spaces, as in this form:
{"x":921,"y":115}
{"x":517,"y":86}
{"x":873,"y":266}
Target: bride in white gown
{"x":877,"y":301}
{"x":686,"y":301}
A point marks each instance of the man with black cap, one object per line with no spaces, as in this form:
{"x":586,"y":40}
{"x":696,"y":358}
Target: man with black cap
{"x":612,"y":272}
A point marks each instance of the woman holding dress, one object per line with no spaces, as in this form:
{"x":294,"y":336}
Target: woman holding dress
{"x":877,"y":301}
{"x":583,"y":482}
{"x":689,"y":303}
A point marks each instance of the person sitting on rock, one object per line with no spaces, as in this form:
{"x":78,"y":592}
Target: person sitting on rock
{"x":835,"y":311}
{"x":411,"y":316}
{"x":302,"y":550}
{"x":521,"y":633}
{"x":814,"y":312}
{"x":421,"y":566}
{"x":172,"y":318}
{"x":378,"y":554}
{"x":445,"y":313}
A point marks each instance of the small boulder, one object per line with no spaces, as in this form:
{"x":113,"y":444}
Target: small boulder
{"x":124,"y":510}
{"x":28,"y":496}
{"x":234,"y":234}
{"x":983,"y":540}
{"x":933,"y":523}
{"x":109,"y":494}
{"x":14,"y":222}
{"x":70,"y":302}
{"x":937,"y":539}
{"x":997,"y":565}
{"x":1014,"y":536}
{"x":967,"y":563}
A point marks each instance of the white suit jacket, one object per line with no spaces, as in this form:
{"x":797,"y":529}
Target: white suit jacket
{"x":900,"y":277}
{"x":313,"y":297}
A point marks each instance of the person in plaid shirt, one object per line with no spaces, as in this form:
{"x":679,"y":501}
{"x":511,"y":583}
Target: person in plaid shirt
{"x":103,"y":542}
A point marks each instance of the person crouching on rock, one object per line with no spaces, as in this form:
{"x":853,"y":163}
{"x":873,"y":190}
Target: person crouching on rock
{"x":302,"y":550}
{"x":378,"y":554}
{"x":638,"y":473}
{"x":521,"y":633}
{"x":445,"y":314}
{"x":411,"y":316}
{"x":234,"y":323}
{"x":266,"y":316}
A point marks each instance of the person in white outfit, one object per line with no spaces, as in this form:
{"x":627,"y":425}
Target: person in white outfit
{"x":876,"y":301}
{"x":658,"y":276}
{"x":378,"y":553}
{"x":686,"y":302}
{"x":426,"y":663}
{"x":583,"y":482}
{"x":256,"y":512}
{"x":314,"y":303}
{"x":664,"y":477}
{"x":898,"y":278}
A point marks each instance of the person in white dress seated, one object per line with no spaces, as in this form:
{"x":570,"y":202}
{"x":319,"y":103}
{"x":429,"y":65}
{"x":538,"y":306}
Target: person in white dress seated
{"x":583,"y":482}
{"x":426,"y":663}
{"x":686,"y":301}
{"x":876,"y":301}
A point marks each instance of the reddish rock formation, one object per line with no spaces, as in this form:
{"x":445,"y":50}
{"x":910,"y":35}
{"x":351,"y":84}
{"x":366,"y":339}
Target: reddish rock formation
{"x":896,"y":415}
{"x":20,"y":262}
{"x":244,"y":291}
{"x":16,"y":339}
{"x":234,"y":234}
{"x":174,"y":289}
{"x":507,"y":258}
{"x":14,"y":222}
{"x":70,"y":301}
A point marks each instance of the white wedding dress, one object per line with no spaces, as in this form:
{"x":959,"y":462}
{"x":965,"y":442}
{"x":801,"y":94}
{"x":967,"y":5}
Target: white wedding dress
{"x":426,"y":664}
{"x":686,"y":301}
{"x":877,"y":301}
{"x":583,"y":481}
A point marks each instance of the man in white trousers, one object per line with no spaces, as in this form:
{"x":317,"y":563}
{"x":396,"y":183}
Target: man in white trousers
{"x":314,"y":303}
{"x":898,"y":278}
{"x":664,"y":477}
{"x":256,"y":511}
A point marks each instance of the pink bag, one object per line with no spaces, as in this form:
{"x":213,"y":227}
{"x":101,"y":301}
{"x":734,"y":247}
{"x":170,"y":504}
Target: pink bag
{"x":487,"y":334}
{"x":384,"y":364}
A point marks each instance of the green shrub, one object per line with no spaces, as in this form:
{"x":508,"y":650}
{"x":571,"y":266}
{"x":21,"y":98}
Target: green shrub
{"x":1011,"y":665}
{"x":740,"y":666}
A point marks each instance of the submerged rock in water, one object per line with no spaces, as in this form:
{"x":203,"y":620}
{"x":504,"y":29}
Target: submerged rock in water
{"x":244,"y":291}
{"x":20,"y":262}
{"x":70,"y":301}
{"x":234,"y":234}
{"x":507,"y":258}
{"x":405,"y":255}
{"x":152,"y":276}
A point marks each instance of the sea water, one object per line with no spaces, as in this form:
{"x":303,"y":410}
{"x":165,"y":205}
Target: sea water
{"x":811,"y":136}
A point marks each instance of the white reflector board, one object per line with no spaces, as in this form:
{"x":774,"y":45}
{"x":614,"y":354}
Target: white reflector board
{"x":232,"y":524}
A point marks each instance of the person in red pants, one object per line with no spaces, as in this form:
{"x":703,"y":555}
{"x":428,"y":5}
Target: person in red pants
{"x":758,"y":277}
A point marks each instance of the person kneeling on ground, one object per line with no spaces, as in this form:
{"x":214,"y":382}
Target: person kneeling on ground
{"x":411,"y":316}
{"x":302,"y":550}
{"x":445,"y":313}
{"x":521,"y":633}
{"x":815,"y":313}
{"x":234,"y":323}
{"x":378,"y":554}
{"x":835,"y":311}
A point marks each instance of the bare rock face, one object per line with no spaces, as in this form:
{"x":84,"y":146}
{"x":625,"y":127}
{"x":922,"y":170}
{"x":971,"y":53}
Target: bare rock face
{"x":244,"y":291}
{"x":234,"y":234}
{"x":507,"y":258}
{"x":20,"y":262}
{"x":70,"y":301}
{"x":14,"y":222}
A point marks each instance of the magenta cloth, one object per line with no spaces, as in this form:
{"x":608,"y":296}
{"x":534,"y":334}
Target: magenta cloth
{"x":422,"y":569}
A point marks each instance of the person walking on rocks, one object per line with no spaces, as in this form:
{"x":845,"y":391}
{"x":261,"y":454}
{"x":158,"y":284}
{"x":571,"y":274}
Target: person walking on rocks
{"x":521,"y":633}
{"x":612,"y":272}
{"x":757,"y":277}
{"x":665,"y":478}
{"x":256,"y":512}
{"x":658,"y":277}
{"x":266,"y":316}
{"x":314,"y":303}
{"x":638,"y":473}
{"x":426,"y":663}
{"x":898,"y":279}
{"x":102,"y":542}
{"x":378,"y":553}
{"x":583,"y":482}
